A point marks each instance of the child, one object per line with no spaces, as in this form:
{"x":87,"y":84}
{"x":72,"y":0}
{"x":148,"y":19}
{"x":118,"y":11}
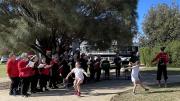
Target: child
{"x":134,"y":65}
{"x":79,"y":77}
{"x":44,"y":74}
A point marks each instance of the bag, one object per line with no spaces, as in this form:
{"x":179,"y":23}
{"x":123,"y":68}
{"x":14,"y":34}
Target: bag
{"x":161,"y":62}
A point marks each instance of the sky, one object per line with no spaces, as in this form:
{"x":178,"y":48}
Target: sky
{"x":145,"y":5}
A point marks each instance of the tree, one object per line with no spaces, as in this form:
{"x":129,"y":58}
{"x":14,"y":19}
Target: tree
{"x":55,"y":24}
{"x":161,"y":24}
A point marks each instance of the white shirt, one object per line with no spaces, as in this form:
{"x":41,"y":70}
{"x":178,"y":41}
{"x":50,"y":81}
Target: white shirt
{"x":78,"y":73}
{"x":135,"y":70}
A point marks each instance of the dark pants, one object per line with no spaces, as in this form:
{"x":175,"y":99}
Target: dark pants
{"x":25,"y":85}
{"x":92,"y":73}
{"x":162,"y":69}
{"x":118,"y":68}
{"x":15,"y":81}
{"x":53,"y":81}
{"x":34,"y":82}
{"x":97,"y":74}
{"x":107,"y":74}
{"x":43,"y":81}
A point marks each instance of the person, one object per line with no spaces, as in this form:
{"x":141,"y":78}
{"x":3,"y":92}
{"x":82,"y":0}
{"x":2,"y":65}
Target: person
{"x":134,"y":65}
{"x":54,"y":72}
{"x":35,"y":78}
{"x":13,"y":73}
{"x":162,"y":59}
{"x":106,"y":67}
{"x":79,"y":78}
{"x":91,"y":67}
{"x":44,"y":71}
{"x":25,"y":73}
{"x":117,"y":61}
{"x":83,"y":64}
{"x":97,"y":68}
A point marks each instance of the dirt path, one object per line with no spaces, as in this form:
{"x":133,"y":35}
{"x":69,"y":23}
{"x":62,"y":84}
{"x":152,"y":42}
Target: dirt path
{"x":99,"y":91}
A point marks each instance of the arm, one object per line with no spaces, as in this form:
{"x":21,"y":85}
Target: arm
{"x":155,"y":59}
{"x":8,"y":68}
{"x":85,"y":73}
{"x":69,"y":75}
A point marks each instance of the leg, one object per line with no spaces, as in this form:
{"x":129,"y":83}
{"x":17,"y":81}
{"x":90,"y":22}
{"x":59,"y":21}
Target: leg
{"x":116,"y":71}
{"x":159,"y":73}
{"x":134,"y":88}
{"x":11,"y":92}
{"x":79,"y":87}
{"x":140,"y":83}
{"x":98,"y":74}
{"x":25,"y":86}
{"x":16,"y":85}
{"x":165,"y":75}
{"x":41,"y":83}
{"x":75,"y":85}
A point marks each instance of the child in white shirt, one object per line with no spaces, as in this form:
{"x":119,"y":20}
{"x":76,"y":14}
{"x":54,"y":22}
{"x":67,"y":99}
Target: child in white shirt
{"x":79,"y":77}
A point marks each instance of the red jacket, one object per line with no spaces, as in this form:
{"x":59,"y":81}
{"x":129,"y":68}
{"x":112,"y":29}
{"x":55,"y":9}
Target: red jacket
{"x":45,"y":71}
{"x":162,"y":55}
{"x":12,"y":68}
{"x":23,"y":70}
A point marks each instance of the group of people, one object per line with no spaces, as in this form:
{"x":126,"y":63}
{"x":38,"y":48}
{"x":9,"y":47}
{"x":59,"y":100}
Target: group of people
{"x":35,"y":74}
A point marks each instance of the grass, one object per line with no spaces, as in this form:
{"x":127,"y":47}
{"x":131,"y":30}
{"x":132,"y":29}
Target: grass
{"x":2,"y":70}
{"x":170,"y":70}
{"x":172,"y":93}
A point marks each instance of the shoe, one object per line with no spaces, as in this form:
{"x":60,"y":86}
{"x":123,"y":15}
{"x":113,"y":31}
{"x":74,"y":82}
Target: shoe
{"x":78,"y":94}
{"x":146,"y":89}
{"x":75,"y":93}
{"x":26,"y":95}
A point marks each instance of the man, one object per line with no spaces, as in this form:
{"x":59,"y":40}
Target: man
{"x":162,"y":59}
{"x":97,"y":68}
{"x":106,"y":67}
{"x":117,"y":61}
{"x":13,"y":73}
{"x":25,"y":73}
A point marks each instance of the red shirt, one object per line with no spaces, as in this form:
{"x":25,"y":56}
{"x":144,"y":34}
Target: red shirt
{"x":12,"y":68}
{"x":162,"y":55}
{"x":23,"y":70}
{"x":45,"y":71}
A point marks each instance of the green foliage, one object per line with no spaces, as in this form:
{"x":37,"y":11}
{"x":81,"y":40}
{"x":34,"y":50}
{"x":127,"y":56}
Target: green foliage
{"x":172,"y":48}
{"x":161,"y":24}
{"x":29,"y":22}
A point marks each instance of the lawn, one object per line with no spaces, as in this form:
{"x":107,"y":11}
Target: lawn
{"x":171,"y":70}
{"x":172,"y":93}
{"x":2,"y":70}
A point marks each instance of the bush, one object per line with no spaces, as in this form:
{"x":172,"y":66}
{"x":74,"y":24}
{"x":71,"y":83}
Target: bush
{"x":172,"y":48}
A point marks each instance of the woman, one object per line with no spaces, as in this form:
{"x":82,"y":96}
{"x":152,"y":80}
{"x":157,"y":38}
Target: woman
{"x":13,"y":73}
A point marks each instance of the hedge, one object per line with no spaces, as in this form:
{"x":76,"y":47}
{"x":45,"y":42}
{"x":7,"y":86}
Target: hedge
{"x":172,"y":48}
